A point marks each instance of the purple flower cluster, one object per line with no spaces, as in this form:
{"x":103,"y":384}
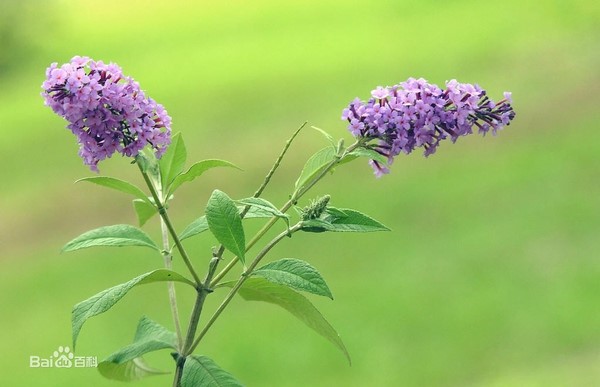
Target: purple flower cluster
{"x":107,"y":111}
{"x":416,"y":113}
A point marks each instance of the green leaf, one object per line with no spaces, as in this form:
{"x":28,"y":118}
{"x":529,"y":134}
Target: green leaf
{"x":117,"y":235}
{"x":335,"y":212}
{"x":328,"y":136}
{"x":142,"y":160}
{"x":370,"y":154}
{"x":198,"y":169}
{"x":225,"y":223}
{"x":118,"y":185}
{"x":316,"y":226}
{"x":353,"y":221}
{"x":264,"y":205}
{"x":296,"y":274}
{"x":356,"y":221}
{"x":149,"y":330}
{"x":202,"y":371}
{"x":172,"y":162}
{"x":134,"y":369}
{"x":126,"y":364}
{"x":314,"y":165}
{"x":143,"y":210}
{"x":256,"y":212}
{"x":259,"y":289}
{"x":196,"y":227}
{"x":149,"y":163}
{"x":105,"y":300}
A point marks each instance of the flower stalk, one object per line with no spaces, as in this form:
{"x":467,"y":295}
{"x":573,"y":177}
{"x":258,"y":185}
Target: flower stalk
{"x":162,"y":211}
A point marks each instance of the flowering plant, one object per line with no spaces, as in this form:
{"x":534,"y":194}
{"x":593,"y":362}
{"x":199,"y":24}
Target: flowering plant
{"x":108,"y":112}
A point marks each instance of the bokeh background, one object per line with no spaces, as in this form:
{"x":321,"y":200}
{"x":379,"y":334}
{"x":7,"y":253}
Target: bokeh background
{"x":491,"y":276}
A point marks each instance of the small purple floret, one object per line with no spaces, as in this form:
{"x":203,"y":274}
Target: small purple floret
{"x":416,"y":113}
{"x":107,"y":111}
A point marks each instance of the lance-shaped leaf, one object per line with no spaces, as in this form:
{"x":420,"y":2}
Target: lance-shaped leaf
{"x":328,"y":136}
{"x":315,"y":164}
{"x":105,"y":300}
{"x":198,"y":169}
{"x":203,"y":371}
{"x":296,"y":274}
{"x":256,"y":212}
{"x":172,"y":162}
{"x":316,"y":226}
{"x":265,"y":206}
{"x":143,"y":210}
{"x":225,"y":223}
{"x":127,"y":364}
{"x":335,"y":212}
{"x":116,"y":184}
{"x":116,"y":235}
{"x":370,"y":154}
{"x":196,"y":227}
{"x":344,"y":220}
{"x":259,"y":289}
{"x":134,"y":369}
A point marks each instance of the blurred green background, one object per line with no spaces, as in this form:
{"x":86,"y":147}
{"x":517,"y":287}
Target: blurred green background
{"x":491,"y":276}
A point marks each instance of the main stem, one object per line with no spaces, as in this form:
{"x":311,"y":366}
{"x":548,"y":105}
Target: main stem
{"x":241,"y":281}
{"x":200,"y":298}
{"x":202,"y":292}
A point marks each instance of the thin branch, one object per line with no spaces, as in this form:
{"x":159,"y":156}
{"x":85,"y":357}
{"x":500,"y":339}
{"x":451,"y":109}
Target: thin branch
{"x":165,"y":216}
{"x":168,"y":260}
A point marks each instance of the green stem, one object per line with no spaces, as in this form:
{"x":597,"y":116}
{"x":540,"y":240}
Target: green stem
{"x":165,"y":217}
{"x":201,"y":294}
{"x":178,"y":371}
{"x":200,"y":298}
{"x":240,"y":282}
{"x":278,"y":161}
{"x":297,"y":195}
{"x":168,"y":260}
